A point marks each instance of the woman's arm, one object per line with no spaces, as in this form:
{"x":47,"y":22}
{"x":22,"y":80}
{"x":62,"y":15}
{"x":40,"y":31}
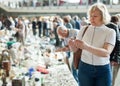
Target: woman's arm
{"x":102,"y":52}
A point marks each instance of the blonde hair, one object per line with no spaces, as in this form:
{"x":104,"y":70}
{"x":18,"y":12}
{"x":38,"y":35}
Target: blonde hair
{"x":104,"y":12}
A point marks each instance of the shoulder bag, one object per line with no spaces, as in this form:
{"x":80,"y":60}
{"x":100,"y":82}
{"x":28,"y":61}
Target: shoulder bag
{"x":77,"y":54}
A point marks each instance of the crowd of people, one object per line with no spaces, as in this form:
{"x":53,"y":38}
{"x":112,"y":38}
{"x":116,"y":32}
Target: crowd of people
{"x":44,"y":3}
{"x":100,"y":58}
{"x":38,"y":3}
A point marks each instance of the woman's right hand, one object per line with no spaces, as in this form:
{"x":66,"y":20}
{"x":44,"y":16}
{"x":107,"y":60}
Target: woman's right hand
{"x":72,"y":46}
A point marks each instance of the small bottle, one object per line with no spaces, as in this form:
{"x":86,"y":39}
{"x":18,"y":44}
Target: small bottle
{"x":42,"y":82}
{"x":4,"y":79}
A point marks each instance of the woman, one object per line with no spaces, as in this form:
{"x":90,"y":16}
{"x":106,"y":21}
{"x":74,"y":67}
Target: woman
{"x":96,"y":44}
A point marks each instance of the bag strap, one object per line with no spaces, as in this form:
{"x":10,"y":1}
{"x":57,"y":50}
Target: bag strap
{"x":85,"y":30}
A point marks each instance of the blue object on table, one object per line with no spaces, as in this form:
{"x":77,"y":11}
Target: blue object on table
{"x":31,"y":70}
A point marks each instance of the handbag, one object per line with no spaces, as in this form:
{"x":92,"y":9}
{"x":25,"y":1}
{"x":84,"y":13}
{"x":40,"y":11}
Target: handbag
{"x":77,"y":54}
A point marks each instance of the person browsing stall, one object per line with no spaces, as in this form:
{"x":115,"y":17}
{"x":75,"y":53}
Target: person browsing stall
{"x":97,"y":45}
{"x":66,"y":34}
